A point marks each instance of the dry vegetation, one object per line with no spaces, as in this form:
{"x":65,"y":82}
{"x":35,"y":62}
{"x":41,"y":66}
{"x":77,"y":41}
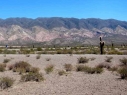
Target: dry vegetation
{"x":90,"y":71}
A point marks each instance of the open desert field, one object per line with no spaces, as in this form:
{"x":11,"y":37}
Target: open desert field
{"x":71,"y":82}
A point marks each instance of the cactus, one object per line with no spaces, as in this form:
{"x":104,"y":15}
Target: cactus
{"x":101,"y":45}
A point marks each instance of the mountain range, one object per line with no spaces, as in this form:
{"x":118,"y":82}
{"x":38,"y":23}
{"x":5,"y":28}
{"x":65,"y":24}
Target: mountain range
{"x":61,"y":31}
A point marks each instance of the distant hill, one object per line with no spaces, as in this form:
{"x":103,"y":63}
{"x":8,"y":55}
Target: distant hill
{"x":61,"y":31}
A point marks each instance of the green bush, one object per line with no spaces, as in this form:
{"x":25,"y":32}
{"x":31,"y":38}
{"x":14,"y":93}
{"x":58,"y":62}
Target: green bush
{"x":123,"y":72}
{"x":49,"y":69}
{"x":68,"y":67}
{"x":32,"y":77}
{"x":83,"y":60}
{"x":123,"y":61}
{"x":6,"y":82}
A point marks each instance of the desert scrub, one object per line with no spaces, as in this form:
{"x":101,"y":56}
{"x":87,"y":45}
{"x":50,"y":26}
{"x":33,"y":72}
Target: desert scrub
{"x":38,"y":56}
{"x":81,"y":68}
{"x":6,"y":60}
{"x":27,"y":55}
{"x":104,"y":65}
{"x":20,"y":66}
{"x":6,"y":82}
{"x":123,"y":72}
{"x":98,"y":70}
{"x":34,"y":70}
{"x":113,"y":69}
{"x":93,"y":58}
{"x":61,"y":72}
{"x":83,"y":60}
{"x":123,"y":61}
{"x":108,"y":59}
{"x":48,"y":59}
{"x":32,"y":77}
{"x":95,"y":70}
{"x":68,"y":67}
{"x":49,"y":69}
{"x":2,"y":67}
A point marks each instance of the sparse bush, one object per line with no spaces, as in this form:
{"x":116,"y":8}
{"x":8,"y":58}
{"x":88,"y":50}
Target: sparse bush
{"x":32,"y":77}
{"x":48,"y":59}
{"x":93,"y":58}
{"x":123,"y":72}
{"x":39,"y":49}
{"x":108,"y":59}
{"x":6,"y":60}
{"x":80,"y":68}
{"x":6,"y":82}
{"x":2,"y":67}
{"x":104,"y":65}
{"x":38,"y":56}
{"x":34,"y":70}
{"x":61,"y":72}
{"x":20,"y":66}
{"x":49,"y":69}
{"x":98,"y":70}
{"x":83,"y":60}
{"x":123,"y":61}
{"x":113,"y":69}
{"x":68,"y":67}
{"x":27,"y":55}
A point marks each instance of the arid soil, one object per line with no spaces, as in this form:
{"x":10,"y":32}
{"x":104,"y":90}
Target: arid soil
{"x":74,"y":83}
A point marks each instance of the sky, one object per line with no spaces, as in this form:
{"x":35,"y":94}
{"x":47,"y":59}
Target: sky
{"x":103,"y":9}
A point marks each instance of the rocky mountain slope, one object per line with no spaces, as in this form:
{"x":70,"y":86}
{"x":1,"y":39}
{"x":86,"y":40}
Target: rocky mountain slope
{"x":62,"y":31}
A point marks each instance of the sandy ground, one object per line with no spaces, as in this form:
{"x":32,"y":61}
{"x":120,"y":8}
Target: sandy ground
{"x":75,"y":83}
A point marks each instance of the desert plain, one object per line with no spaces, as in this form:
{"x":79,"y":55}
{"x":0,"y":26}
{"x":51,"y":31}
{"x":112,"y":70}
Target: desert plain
{"x":72,"y":83}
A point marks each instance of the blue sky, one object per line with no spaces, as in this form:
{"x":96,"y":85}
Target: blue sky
{"x":104,"y":9}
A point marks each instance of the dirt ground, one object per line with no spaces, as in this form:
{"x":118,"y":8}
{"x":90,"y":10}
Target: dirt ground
{"x":74,"y":83}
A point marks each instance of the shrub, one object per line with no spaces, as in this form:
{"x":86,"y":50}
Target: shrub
{"x":39,"y":49}
{"x":6,"y":60}
{"x":34,"y":70}
{"x":6,"y":82}
{"x":2,"y":67}
{"x":108,"y":59}
{"x":49,"y":69}
{"x":68,"y":67}
{"x":32,"y":77}
{"x":98,"y":70}
{"x":38,"y":56}
{"x":113,"y":69}
{"x":61,"y":72}
{"x":83,"y":60}
{"x":93,"y":58}
{"x":123,"y":72}
{"x":104,"y":65}
{"x":48,"y":59}
{"x":80,"y":68}
{"x":123,"y":61}
{"x":90,"y":70}
{"x":27,"y":55}
{"x":20,"y":66}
